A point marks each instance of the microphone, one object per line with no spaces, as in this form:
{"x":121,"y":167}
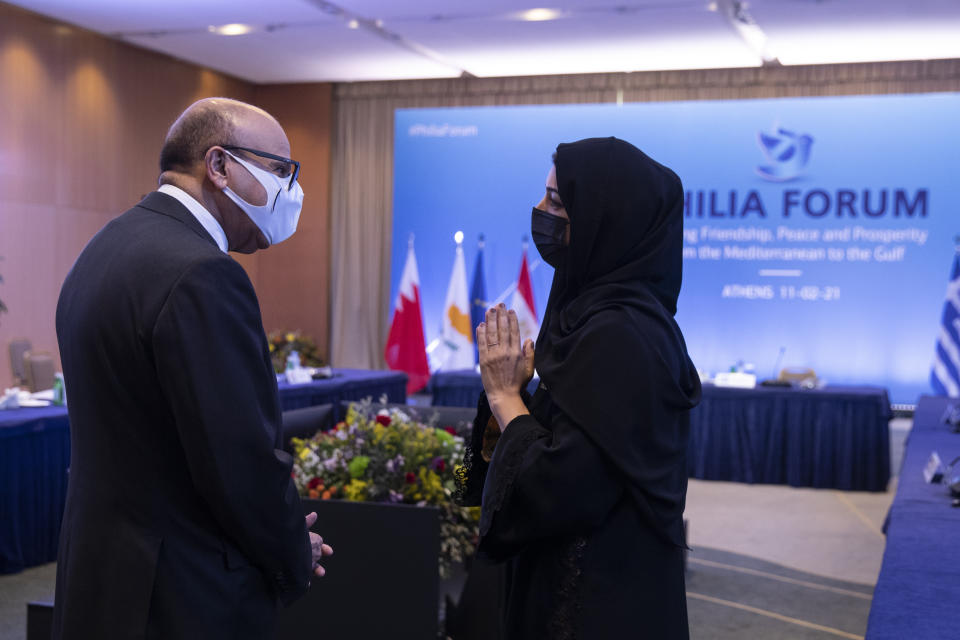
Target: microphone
{"x":776,"y":367}
{"x":775,"y":381}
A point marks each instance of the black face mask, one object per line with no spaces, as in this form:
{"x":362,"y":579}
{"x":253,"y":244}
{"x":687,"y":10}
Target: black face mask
{"x":548,"y":233}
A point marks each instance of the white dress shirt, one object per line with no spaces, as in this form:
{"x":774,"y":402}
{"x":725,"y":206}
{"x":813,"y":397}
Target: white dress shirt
{"x":202,"y":215}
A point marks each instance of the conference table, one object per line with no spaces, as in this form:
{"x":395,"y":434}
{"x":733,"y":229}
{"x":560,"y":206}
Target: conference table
{"x":917,"y":591}
{"x":345,"y":385}
{"x":836,"y":437}
{"x":35,"y":455}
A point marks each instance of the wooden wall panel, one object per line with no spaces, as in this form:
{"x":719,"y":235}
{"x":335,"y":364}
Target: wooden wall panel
{"x":293,"y":278}
{"x":82,"y":120}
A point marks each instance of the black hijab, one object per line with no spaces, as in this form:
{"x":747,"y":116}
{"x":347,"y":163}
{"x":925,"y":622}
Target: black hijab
{"x":609,"y":351}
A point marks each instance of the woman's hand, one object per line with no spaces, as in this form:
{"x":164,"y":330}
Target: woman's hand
{"x":506,"y":366}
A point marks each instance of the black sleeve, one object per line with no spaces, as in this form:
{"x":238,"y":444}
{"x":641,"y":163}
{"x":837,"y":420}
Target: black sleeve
{"x":475,"y":468}
{"x":543,"y":483}
{"x":212,"y":360}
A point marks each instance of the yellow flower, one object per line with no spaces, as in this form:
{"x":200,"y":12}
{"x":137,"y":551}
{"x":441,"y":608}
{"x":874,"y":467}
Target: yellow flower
{"x":290,"y":337}
{"x":356,"y":490}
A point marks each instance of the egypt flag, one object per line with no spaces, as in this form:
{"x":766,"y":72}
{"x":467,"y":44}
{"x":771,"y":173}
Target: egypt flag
{"x":405,"y":349}
{"x":945,"y":377}
{"x":455,"y":350}
{"x":522,"y":302}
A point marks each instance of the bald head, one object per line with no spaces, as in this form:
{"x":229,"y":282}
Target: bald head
{"x":206,"y":123}
{"x":206,"y":151}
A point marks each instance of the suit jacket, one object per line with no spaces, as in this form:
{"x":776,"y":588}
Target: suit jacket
{"x":182,"y":520}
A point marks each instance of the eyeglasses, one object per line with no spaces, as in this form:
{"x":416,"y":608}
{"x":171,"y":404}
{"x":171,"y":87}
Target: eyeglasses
{"x":291,"y":168}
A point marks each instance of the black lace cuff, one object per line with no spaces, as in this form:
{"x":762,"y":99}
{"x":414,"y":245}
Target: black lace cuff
{"x":505,"y":465}
{"x":473,"y":473}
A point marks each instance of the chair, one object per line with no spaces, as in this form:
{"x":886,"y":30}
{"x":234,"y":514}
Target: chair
{"x":796,"y":375}
{"x":18,"y":348}
{"x":40,"y":370}
{"x":305,"y":423}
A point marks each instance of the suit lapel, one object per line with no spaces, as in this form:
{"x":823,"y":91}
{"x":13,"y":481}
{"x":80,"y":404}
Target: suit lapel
{"x":169,"y":206}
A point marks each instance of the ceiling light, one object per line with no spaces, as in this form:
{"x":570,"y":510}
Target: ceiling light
{"x":233,"y":29}
{"x":712,"y":6}
{"x":539,"y":15}
{"x":353,"y":24}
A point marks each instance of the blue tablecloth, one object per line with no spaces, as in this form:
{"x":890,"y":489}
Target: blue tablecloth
{"x":347,"y":384}
{"x":35,"y":455}
{"x":917,"y":591}
{"x":837,"y":437}
{"x":460,"y":388}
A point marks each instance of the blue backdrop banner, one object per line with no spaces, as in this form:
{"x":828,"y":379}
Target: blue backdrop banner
{"x":820,"y":227}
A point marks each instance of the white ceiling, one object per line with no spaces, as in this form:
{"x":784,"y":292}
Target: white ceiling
{"x":312,"y":40}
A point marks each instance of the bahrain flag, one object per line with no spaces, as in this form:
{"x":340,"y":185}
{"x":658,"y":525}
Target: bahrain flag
{"x":406,"y":349}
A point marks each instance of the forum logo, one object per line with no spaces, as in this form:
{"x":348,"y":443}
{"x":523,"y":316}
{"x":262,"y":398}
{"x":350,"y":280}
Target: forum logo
{"x":786,"y":152}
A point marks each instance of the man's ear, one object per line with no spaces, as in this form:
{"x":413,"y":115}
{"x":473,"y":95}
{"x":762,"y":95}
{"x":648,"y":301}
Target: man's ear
{"x":215,"y":164}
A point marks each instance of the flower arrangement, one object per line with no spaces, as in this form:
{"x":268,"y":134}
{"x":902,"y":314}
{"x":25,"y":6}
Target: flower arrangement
{"x":283,"y":342}
{"x":385,"y":456}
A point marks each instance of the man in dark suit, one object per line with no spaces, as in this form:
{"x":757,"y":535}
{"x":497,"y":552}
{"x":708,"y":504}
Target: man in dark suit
{"x":182,"y":520}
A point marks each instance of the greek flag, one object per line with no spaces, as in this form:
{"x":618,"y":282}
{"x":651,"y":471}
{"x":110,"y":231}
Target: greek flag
{"x":945,"y":376}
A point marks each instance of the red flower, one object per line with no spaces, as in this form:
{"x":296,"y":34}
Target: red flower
{"x":450,"y":430}
{"x":314,"y":483}
{"x":384,"y":420}
{"x":411,"y":477}
{"x":441,"y":466}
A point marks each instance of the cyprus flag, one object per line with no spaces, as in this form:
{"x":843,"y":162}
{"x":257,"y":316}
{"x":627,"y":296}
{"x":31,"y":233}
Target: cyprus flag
{"x":456,"y":337}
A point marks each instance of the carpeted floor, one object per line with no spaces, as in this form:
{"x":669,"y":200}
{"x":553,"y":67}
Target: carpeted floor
{"x":736,"y":597}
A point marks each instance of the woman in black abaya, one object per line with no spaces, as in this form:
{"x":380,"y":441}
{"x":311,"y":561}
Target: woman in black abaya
{"x":583,"y":484}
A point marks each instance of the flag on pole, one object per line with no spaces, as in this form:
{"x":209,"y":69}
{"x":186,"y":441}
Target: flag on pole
{"x":523,"y":303}
{"x":455,"y":350}
{"x":945,"y":376}
{"x":406,"y":350}
{"x":478,"y":294}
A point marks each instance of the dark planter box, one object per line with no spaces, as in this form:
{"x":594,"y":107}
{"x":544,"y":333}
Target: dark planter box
{"x":381,"y":582}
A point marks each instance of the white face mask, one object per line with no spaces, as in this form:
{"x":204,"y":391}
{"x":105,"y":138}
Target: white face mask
{"x":278,"y":218}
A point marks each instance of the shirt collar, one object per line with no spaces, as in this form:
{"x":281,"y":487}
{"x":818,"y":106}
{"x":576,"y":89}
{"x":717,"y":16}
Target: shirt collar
{"x":203,"y":216}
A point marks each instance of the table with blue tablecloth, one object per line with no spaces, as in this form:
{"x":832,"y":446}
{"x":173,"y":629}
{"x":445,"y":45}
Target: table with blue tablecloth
{"x":346,"y":384}
{"x":35,"y":456}
{"x":460,"y":388}
{"x":917,"y":592}
{"x":835,"y":437}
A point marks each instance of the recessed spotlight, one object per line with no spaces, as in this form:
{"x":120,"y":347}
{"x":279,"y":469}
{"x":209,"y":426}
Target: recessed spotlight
{"x":353,"y":24}
{"x":458,"y":237}
{"x":712,"y":6}
{"x":233,"y":29}
{"x":539,"y":15}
